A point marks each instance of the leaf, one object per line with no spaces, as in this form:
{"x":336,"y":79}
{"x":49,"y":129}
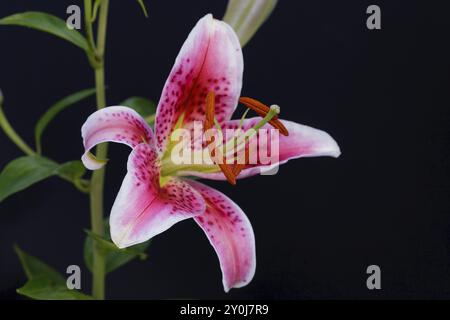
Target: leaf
{"x":145,"y":107}
{"x":143,"y":7}
{"x":114,"y":257}
{"x":95,"y":10}
{"x":44,"y":282}
{"x":23,"y":172}
{"x":34,"y":268}
{"x":41,"y":288}
{"x":54,"y":110}
{"x":71,"y":170}
{"x":48,"y":23}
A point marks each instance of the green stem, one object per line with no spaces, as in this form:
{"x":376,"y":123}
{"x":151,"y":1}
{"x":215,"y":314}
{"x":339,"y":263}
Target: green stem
{"x":101,"y":31}
{"x":12,"y":134}
{"x":98,"y":177}
{"x":88,"y":23}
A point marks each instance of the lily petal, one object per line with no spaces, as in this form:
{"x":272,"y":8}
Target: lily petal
{"x":210,"y":60}
{"x":113,"y":124}
{"x":231,"y":234}
{"x":302,"y":141}
{"x":142,"y":208}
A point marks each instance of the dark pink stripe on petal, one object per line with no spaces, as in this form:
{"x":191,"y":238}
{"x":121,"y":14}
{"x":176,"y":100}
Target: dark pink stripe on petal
{"x":114,"y":124}
{"x":210,"y":60}
{"x":303,"y":141}
{"x":144,"y":209}
{"x":230,"y":233}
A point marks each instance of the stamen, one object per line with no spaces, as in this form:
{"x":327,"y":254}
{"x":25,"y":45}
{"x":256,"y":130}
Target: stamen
{"x":225,"y":168}
{"x":262,"y":110}
{"x":237,"y":168}
{"x":210,"y":110}
{"x":228,"y":172}
{"x":243,"y":139}
{"x":210,"y":121}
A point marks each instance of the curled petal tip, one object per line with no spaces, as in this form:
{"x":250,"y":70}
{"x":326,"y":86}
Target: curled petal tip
{"x":326,"y":146}
{"x":112,"y":124}
{"x":337,"y":152}
{"x":91,"y":162}
{"x":333,"y":148}
{"x":119,"y":244}
{"x":121,"y":241}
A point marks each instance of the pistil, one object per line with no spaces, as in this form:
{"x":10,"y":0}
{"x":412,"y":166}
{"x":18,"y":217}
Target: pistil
{"x":238,"y":142}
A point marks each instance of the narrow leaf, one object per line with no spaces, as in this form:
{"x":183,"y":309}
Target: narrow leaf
{"x":34,"y":268}
{"x":23,"y":172}
{"x":95,"y":10}
{"x":71,"y":170}
{"x":44,"y":282}
{"x":48,"y":23}
{"x":41,"y":288}
{"x":54,"y":110}
{"x":143,"y":7}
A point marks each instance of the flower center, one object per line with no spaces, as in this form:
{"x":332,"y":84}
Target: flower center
{"x":217,"y":157}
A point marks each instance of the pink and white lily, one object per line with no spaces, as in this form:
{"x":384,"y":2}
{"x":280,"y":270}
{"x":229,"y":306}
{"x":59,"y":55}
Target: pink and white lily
{"x":156,"y":193}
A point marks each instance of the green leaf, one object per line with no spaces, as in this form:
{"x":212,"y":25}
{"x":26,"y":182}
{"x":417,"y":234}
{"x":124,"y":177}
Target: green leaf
{"x":143,"y":7}
{"x":54,"y":110}
{"x":48,"y":23}
{"x":44,"y":282}
{"x":145,"y":107}
{"x":95,"y":10}
{"x":23,"y":172}
{"x":34,"y":268}
{"x":114,"y":257}
{"x":71,"y":170}
{"x":41,"y":288}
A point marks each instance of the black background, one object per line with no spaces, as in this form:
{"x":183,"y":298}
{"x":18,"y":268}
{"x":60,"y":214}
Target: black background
{"x":383,"y":95}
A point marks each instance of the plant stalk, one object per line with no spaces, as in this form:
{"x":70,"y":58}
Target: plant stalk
{"x":98,"y":177}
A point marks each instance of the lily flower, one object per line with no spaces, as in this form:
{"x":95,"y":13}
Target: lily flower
{"x":204,"y":85}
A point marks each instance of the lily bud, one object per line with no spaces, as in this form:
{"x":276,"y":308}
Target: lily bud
{"x":247,"y":16}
